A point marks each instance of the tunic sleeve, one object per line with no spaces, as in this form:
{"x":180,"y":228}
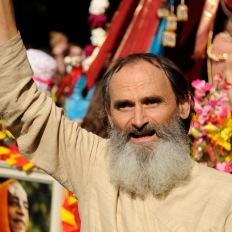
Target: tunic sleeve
{"x":44,"y":134}
{"x":228,"y":226}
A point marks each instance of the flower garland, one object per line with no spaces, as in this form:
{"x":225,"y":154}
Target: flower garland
{"x":97,"y":20}
{"x":211,"y":129}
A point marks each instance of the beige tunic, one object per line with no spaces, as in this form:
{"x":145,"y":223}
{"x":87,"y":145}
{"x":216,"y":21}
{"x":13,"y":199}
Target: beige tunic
{"x":78,"y":160}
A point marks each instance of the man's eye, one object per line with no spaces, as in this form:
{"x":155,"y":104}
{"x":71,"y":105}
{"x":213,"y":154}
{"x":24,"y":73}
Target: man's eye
{"x":123,"y":105}
{"x":152,"y":101}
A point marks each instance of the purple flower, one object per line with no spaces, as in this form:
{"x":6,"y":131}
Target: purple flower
{"x":97,"y":20}
{"x":88,"y":49}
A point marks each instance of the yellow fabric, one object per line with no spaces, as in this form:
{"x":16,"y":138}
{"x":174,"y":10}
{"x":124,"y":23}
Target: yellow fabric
{"x":79,"y":161}
{"x":2,"y":135}
{"x":4,"y":150}
{"x":28,"y":166}
{"x":72,"y":200}
{"x":68,"y":217}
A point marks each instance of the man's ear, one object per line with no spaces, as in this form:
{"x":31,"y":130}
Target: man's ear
{"x":107,"y":109}
{"x":184,"y":109}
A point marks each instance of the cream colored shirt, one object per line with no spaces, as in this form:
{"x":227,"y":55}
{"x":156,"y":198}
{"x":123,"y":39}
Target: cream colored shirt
{"x":79,"y":161}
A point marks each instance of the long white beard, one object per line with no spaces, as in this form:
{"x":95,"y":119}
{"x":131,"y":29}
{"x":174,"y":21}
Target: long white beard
{"x":154,"y":167}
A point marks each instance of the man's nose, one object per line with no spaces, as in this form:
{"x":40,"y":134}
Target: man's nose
{"x":139,"y":118}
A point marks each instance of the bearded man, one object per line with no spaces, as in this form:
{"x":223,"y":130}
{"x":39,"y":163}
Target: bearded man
{"x":140,"y":179}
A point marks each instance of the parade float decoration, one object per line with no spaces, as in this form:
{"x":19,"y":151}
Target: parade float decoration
{"x":167,"y":11}
{"x":211,"y":128}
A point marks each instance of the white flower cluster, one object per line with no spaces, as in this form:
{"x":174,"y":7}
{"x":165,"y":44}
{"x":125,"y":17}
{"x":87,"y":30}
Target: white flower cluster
{"x":97,"y":36}
{"x":98,"y":7}
{"x":87,"y":62}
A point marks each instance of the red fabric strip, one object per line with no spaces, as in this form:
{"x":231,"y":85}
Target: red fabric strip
{"x":144,"y":27}
{"x":117,"y":28}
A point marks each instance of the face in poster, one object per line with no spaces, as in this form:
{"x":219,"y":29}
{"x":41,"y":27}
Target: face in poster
{"x":27,"y":202}
{"x":22,"y":204}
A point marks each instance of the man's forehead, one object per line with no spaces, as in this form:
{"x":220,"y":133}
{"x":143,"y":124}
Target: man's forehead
{"x":138,"y":70}
{"x":140,"y":83}
{"x":137,"y":62}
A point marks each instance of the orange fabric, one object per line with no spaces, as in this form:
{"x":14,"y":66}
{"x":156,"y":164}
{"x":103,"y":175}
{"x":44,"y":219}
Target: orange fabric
{"x":4,"y":222}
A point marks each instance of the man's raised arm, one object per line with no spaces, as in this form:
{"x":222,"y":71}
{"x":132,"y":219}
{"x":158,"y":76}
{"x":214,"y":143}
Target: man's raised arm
{"x":44,"y":134}
{"x":8,"y":27}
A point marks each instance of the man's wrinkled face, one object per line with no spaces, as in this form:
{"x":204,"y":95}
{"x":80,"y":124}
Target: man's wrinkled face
{"x":140,"y":94}
{"x":17,"y":208}
{"x":148,"y":143}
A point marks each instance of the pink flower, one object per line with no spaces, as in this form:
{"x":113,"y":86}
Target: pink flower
{"x":211,"y":123}
{"x":201,"y":87}
{"x":224,"y":167}
{"x":222,"y":110}
{"x":221,"y":166}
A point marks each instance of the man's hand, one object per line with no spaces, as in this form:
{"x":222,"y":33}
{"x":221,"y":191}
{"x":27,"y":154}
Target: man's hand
{"x":8,"y":27}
